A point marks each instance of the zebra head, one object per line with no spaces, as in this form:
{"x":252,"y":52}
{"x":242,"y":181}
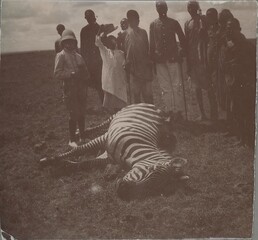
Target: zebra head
{"x":145,"y":179}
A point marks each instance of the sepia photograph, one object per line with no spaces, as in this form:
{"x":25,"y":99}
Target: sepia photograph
{"x":127,"y":119}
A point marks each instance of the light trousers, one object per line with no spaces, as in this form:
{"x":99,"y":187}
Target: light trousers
{"x":169,"y":78}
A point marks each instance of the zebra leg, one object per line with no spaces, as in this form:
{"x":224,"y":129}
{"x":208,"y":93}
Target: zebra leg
{"x":98,"y":130}
{"x":89,"y":147}
{"x":84,"y":165}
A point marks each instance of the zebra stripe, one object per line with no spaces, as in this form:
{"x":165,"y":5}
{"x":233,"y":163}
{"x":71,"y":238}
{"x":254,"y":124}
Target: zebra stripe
{"x":93,"y":132}
{"x":6,"y":236}
{"x":91,"y":146}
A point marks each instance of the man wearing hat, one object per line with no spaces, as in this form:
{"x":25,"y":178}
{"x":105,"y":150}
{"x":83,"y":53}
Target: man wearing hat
{"x":240,"y":77}
{"x":90,"y":52}
{"x":222,"y":93}
{"x":165,"y":55}
{"x":59,"y":28}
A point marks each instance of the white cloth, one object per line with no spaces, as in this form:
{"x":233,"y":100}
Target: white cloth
{"x":113,"y":73}
{"x":169,"y":79}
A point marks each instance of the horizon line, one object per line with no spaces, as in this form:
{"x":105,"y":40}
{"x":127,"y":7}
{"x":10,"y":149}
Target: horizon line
{"x":44,"y":50}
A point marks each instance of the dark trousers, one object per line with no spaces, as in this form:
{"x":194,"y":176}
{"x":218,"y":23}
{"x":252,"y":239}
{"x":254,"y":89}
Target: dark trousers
{"x":212,"y":102}
{"x":241,"y":112}
{"x":75,"y":94}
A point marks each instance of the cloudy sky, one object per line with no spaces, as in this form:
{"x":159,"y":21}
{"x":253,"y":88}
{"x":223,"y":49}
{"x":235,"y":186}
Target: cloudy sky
{"x":28,"y":25}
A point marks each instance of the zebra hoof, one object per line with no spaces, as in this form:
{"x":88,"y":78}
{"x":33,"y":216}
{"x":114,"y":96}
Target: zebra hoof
{"x":43,"y":162}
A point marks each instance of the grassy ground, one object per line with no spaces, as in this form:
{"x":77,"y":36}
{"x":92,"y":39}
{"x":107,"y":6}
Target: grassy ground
{"x":53,"y":204}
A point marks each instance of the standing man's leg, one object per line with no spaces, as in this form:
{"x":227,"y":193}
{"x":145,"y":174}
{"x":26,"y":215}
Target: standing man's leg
{"x":212,"y":96}
{"x":81,"y":126}
{"x":176,"y":86}
{"x":98,"y":76}
{"x":196,"y":78}
{"x":198,"y":92}
{"x":70,"y":102}
{"x":95,"y":81}
{"x":82,"y":98}
{"x":73,"y":120}
{"x":249,"y":107}
{"x":72,"y":128}
{"x":135,"y":89}
{"x":230,"y":118}
{"x":101,"y":94}
{"x":147,"y":92}
{"x":237,"y":111}
{"x":213,"y":104}
{"x":165,"y":86}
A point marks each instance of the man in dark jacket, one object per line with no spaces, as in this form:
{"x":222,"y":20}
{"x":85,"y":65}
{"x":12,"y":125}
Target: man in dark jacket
{"x":90,"y":52}
{"x":223,"y":17}
{"x":165,"y":56}
{"x":240,"y":75}
{"x":212,"y":56}
{"x":196,"y":38}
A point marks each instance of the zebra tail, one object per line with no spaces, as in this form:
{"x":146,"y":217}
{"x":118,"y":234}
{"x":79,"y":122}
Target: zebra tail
{"x":98,"y":130}
{"x":89,"y":147}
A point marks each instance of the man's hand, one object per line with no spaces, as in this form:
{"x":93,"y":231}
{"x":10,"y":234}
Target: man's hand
{"x":106,"y":29}
{"x":109,"y":28}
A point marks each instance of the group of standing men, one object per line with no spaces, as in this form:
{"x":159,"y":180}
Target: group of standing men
{"x":219,"y":60}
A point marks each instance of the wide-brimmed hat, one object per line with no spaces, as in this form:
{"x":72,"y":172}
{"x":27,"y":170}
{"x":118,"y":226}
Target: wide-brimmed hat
{"x":68,"y":35}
